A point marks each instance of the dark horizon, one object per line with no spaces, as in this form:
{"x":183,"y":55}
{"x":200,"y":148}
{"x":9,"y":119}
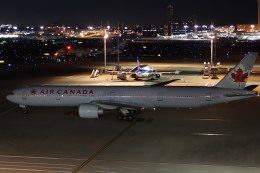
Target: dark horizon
{"x":82,"y":13}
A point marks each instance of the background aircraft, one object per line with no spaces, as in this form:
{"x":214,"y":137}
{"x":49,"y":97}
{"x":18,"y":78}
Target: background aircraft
{"x":130,"y":100}
{"x":141,"y":72}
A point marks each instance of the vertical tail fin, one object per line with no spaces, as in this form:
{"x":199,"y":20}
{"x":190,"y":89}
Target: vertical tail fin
{"x":138,"y":64}
{"x":238,"y":77}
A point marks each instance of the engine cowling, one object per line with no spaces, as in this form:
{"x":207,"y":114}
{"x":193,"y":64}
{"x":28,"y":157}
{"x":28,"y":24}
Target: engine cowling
{"x":89,"y":111}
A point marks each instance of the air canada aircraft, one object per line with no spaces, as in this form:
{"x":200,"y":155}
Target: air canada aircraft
{"x":141,"y":72}
{"x":130,"y":100}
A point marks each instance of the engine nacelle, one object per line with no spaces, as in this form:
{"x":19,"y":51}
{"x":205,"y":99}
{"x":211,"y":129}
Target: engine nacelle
{"x":89,"y":111}
{"x":158,"y":75}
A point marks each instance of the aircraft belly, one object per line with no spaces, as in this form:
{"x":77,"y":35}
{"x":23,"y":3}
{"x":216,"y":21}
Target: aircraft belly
{"x":143,"y":102}
{"x":182,"y":103}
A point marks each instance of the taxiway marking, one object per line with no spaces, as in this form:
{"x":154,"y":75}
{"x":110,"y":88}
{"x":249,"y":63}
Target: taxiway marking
{"x":103,"y":148}
{"x":8,"y":111}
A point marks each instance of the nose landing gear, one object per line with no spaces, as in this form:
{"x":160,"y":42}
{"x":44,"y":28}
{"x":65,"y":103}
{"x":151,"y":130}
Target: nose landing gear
{"x":25,"y":110}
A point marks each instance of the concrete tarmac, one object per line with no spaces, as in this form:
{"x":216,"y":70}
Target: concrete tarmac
{"x":217,"y":139}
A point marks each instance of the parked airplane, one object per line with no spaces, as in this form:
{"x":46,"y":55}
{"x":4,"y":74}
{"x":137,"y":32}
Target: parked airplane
{"x":141,"y":71}
{"x":130,"y":100}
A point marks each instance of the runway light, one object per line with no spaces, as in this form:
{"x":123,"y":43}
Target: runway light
{"x":2,"y":61}
{"x":68,"y":47}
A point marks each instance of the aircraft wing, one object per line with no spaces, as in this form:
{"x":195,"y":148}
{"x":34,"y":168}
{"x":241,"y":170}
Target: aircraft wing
{"x":126,"y":72}
{"x":106,"y":104}
{"x":169,"y":72}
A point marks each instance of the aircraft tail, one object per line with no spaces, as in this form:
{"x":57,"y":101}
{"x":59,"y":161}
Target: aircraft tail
{"x":138,"y":64}
{"x":237,"y":78}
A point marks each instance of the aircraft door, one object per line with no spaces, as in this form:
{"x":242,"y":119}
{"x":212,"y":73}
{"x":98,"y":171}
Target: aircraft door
{"x":160,"y":96}
{"x":58,"y":96}
{"x":208,"y":96}
{"x":112,"y":96}
{"x":24,"y":95}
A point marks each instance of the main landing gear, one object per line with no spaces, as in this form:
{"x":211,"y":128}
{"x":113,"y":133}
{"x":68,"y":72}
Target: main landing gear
{"x":127,"y":115}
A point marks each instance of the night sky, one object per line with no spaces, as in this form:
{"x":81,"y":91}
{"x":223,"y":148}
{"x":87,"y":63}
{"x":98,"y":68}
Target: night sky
{"x":91,"y":12}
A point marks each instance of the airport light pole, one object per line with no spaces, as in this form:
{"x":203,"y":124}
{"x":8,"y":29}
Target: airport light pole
{"x":211,"y":27}
{"x":212,"y":63}
{"x":252,"y":28}
{"x":105,"y":51}
{"x":196,"y":28}
{"x":118,"y":40}
{"x":212,"y":49}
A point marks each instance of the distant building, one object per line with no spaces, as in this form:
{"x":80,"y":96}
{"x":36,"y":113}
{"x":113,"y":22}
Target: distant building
{"x":225,"y":28}
{"x":182,"y":27}
{"x":131,"y":31}
{"x":247,"y":28}
{"x":170,"y":19}
{"x":152,"y":30}
{"x":55,"y":27}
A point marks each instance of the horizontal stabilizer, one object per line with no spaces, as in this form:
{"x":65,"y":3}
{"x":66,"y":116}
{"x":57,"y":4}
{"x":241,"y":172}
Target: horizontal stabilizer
{"x":239,"y":95}
{"x":165,"y":83}
{"x":251,"y":87}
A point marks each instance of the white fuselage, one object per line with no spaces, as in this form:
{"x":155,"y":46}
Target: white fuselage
{"x":146,"y":97}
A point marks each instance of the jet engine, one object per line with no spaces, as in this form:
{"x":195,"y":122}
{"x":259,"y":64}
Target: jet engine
{"x":158,"y":75}
{"x":89,"y":111}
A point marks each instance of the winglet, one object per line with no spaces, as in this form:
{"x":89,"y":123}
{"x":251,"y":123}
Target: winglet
{"x":237,"y":78}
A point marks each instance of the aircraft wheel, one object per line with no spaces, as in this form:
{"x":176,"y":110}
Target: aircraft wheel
{"x":25,"y":111}
{"x":120,"y":117}
{"x":124,"y":76}
{"x":133,"y":75}
{"x":130,"y":118}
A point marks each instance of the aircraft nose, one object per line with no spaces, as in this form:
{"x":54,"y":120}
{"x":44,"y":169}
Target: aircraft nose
{"x":9,"y":98}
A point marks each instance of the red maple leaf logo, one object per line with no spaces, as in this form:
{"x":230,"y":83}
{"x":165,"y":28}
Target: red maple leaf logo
{"x":33,"y":91}
{"x":239,"y":76}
